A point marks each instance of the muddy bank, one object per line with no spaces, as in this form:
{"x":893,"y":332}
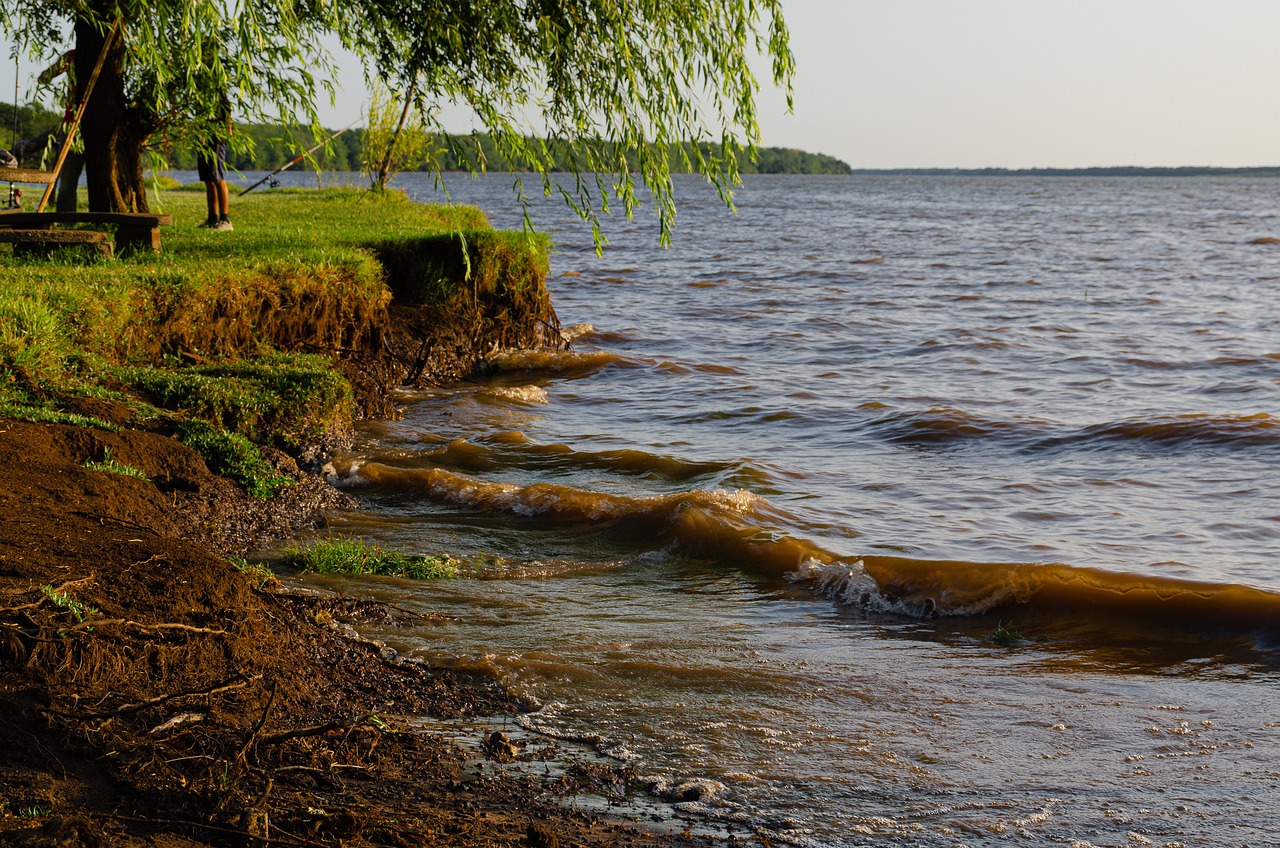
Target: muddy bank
{"x":153,"y":694}
{"x":455,"y":302}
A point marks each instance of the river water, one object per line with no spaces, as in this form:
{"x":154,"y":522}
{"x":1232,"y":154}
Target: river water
{"x":887,"y":511}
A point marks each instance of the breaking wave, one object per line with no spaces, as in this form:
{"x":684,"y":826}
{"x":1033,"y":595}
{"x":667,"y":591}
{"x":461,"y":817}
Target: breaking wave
{"x":926,"y":588}
{"x":718,"y":524}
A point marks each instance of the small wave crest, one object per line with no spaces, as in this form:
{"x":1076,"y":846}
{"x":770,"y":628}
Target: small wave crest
{"x":1259,"y":429}
{"x":623,"y":461}
{"x":717,"y":524}
{"x":548,"y":361}
{"x":576,"y":331}
{"x":947,"y":426}
{"x":926,"y":588}
{"x":513,"y":450}
{"x":530,"y":395}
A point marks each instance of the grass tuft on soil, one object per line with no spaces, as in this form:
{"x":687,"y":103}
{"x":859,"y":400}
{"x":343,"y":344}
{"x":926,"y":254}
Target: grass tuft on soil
{"x":232,"y":456}
{"x":110,"y":465}
{"x":356,"y":557}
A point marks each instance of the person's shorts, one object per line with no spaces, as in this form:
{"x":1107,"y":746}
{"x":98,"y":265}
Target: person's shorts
{"x":215,"y":168}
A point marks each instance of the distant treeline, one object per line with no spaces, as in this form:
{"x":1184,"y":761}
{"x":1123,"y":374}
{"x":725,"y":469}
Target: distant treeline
{"x":274,"y":145}
{"x":1118,"y":171}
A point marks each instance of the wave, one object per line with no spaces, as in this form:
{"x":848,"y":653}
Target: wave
{"x":1186,"y":430}
{"x":721,"y":525}
{"x":514,"y":450}
{"x":927,"y":588}
{"x":738,"y":529}
{"x":946,"y":426}
{"x":559,"y":362}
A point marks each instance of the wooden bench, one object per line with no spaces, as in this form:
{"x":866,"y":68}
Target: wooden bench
{"x":27,"y":176}
{"x":134,"y":230}
{"x":41,"y":242}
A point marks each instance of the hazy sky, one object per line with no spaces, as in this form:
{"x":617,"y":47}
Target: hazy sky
{"x":1025,"y":83}
{"x":1015,"y":83}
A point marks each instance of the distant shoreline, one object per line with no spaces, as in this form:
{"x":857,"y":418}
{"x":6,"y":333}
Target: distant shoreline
{"x":1116,"y":171}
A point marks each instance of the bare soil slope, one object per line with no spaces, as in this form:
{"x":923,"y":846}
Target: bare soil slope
{"x":151,"y":694}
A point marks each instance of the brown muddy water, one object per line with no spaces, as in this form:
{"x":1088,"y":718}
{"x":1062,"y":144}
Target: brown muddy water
{"x":889,"y":511}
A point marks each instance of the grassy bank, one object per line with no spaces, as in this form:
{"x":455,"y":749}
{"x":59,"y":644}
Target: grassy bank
{"x":227,"y":337}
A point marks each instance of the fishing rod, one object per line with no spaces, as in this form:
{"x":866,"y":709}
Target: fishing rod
{"x":295,"y":160}
{"x":15,"y":97}
{"x":11,"y":201}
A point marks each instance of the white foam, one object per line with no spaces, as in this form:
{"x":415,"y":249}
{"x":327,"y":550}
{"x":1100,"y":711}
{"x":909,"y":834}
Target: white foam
{"x":344,"y":472}
{"x":519,"y":394}
{"x":577,"y":331}
{"x":847,"y":583}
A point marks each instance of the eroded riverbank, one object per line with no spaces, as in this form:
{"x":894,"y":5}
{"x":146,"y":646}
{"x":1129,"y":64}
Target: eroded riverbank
{"x":153,"y":691}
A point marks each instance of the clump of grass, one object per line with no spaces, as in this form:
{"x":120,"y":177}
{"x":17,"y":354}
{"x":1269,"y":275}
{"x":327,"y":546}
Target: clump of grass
{"x":111,"y":465}
{"x":355,"y":556}
{"x":42,"y":413}
{"x":79,"y":610}
{"x":1006,"y":634}
{"x":232,"y":456}
{"x":33,"y":343}
{"x":261,"y":576}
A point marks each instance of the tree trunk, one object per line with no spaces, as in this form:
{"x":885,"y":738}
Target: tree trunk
{"x":113,"y":135}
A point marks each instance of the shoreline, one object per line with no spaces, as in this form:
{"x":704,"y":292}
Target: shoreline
{"x":153,"y":691}
{"x":156,"y":695}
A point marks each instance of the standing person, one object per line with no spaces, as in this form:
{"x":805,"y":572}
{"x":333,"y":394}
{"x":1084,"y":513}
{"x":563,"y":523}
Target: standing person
{"x":211,"y":163}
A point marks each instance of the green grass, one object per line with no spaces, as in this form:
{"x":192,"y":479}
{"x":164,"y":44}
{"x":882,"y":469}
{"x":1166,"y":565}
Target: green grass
{"x":1006,"y":634}
{"x":429,"y":269}
{"x":301,"y":268}
{"x":261,"y":576}
{"x":113,"y":466}
{"x":357,"y":557}
{"x":205,"y":337}
{"x":289,"y":400}
{"x":80,"y":611}
{"x":21,"y":408}
{"x":233,"y":456}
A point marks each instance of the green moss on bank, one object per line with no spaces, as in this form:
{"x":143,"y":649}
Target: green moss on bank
{"x":287,"y":400}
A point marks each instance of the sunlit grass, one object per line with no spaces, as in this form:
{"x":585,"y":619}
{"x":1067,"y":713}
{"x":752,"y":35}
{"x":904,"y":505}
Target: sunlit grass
{"x":110,"y":465}
{"x":354,"y":556}
{"x":203,"y":337}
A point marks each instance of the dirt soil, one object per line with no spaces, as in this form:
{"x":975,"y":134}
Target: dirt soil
{"x":152,"y":694}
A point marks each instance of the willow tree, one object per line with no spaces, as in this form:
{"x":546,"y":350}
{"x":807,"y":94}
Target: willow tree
{"x":171,"y":69}
{"x":582,"y":80}
{"x":394,"y":137}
